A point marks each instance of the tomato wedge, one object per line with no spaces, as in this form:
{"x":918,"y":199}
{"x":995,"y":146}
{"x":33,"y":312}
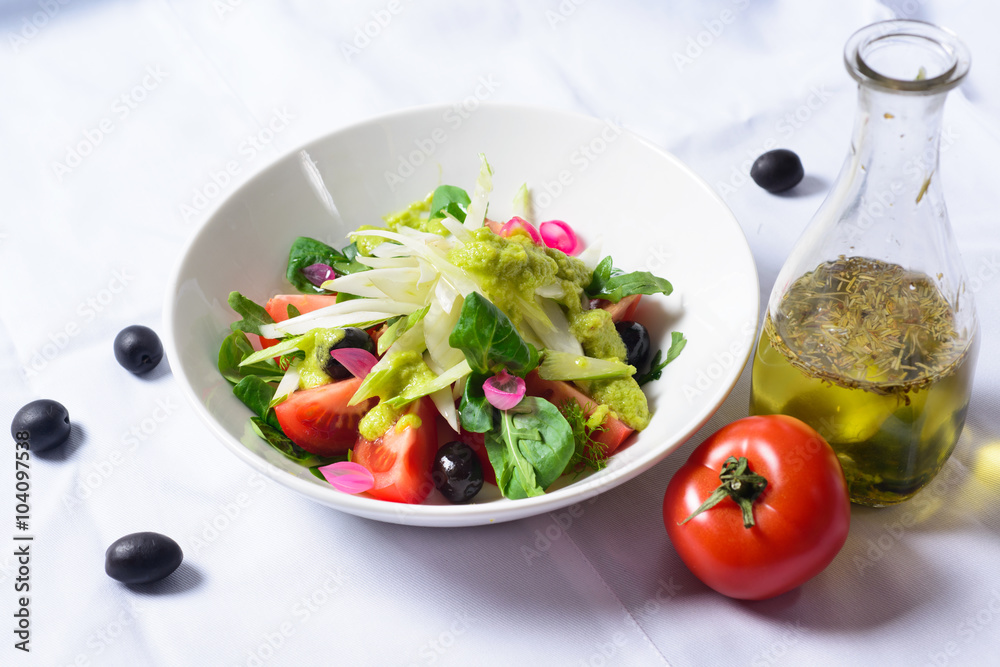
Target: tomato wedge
{"x":621,"y":311}
{"x":401,"y":460}
{"x":558,"y":392}
{"x":277,"y":308}
{"x":319,"y":420}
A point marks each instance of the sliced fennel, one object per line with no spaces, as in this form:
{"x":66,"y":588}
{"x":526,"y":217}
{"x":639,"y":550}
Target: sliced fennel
{"x":564,"y":366}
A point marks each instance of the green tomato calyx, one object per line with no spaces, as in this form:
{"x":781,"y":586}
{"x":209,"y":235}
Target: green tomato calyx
{"x":739,"y":483}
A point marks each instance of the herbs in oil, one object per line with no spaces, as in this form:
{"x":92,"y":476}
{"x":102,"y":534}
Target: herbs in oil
{"x":867,"y":353}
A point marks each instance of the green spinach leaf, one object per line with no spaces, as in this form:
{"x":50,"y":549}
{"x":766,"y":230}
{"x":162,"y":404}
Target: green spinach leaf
{"x":475,"y":412}
{"x":257,"y":395}
{"x":235,"y":349}
{"x":449,"y":199}
{"x":307,"y":251}
{"x":253,"y":314}
{"x":274,"y":437}
{"x":488,"y":338}
{"x":531,"y":449}
{"x":677,"y":343}
{"x":613,"y":285}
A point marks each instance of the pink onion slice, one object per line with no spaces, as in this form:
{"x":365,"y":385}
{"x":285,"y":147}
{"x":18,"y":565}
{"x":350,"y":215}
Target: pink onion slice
{"x":503,"y":390}
{"x":559,"y":235}
{"x":516,"y":224}
{"x":318,"y":274}
{"x":357,"y":361}
{"x":348,"y":477}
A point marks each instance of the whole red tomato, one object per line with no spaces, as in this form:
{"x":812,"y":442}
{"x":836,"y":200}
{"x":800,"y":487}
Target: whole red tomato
{"x":798,"y":518}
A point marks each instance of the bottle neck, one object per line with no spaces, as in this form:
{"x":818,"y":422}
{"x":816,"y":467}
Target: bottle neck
{"x":896,"y":144}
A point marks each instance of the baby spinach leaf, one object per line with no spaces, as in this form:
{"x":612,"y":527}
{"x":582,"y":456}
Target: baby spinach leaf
{"x":613,"y":285}
{"x":256,"y":395}
{"x":235,"y":349}
{"x":531,"y":449}
{"x":488,"y":338}
{"x":449,"y":199}
{"x":277,"y":439}
{"x":253,"y":314}
{"x":600,"y":277}
{"x":307,"y":251}
{"x":475,"y":412}
{"x":677,"y":343}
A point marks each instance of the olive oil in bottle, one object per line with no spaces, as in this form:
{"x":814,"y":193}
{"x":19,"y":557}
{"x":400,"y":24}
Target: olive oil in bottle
{"x":867,"y":353}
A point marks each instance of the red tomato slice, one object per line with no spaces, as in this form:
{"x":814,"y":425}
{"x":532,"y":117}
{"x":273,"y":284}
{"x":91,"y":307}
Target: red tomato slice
{"x":277,"y":308}
{"x":558,"y":392}
{"x":621,"y":311}
{"x":319,"y":420}
{"x":401,"y":461}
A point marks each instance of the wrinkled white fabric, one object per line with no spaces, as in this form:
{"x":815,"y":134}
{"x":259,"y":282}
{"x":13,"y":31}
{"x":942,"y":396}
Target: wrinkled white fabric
{"x":123,"y":124}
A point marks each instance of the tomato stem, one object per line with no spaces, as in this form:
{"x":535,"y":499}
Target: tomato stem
{"x":739,"y":483}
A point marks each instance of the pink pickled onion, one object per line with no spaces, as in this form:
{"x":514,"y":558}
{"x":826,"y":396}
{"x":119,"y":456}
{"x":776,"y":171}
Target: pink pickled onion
{"x":559,"y":235}
{"x":357,"y":361}
{"x":503,"y":390}
{"x":517,"y":224}
{"x":348,"y":476}
{"x":318,"y":274}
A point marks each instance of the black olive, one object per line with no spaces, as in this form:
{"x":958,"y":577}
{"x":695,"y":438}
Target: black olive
{"x":353,"y":337}
{"x":138,"y":349}
{"x":46,"y":423}
{"x":457,"y":472}
{"x":141,"y":558}
{"x":777,"y":170}
{"x":636,"y":340}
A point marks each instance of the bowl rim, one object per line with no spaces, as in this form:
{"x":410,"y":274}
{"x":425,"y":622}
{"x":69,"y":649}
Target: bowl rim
{"x":448,"y":515}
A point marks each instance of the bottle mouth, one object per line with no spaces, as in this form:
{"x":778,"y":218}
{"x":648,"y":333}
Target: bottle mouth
{"x":906,"y":55}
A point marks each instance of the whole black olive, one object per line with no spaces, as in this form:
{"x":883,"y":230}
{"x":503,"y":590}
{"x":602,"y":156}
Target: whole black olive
{"x":141,"y":558}
{"x":457,"y":472}
{"x":46,"y":423}
{"x":138,"y":349}
{"x":636,"y":339}
{"x":777,"y":170}
{"x":353,"y":337}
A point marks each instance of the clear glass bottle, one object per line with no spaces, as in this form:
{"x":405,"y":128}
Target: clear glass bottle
{"x":870,"y":334}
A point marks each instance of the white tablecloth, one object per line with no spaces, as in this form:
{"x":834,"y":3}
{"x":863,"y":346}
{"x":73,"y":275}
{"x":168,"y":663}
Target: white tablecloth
{"x":117,"y":118}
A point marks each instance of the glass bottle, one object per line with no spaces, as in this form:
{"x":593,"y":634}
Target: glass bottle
{"x":870,"y":334}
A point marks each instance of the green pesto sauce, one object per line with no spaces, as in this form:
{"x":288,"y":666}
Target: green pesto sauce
{"x":413,"y":216}
{"x":512,"y":268}
{"x":624,"y":397}
{"x":404,"y":370}
{"x":317,"y":349}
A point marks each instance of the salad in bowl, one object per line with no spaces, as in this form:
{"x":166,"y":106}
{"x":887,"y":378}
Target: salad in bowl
{"x":445,"y":351}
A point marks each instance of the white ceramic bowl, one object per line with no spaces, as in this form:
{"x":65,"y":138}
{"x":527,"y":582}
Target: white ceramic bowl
{"x":652,"y":211}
